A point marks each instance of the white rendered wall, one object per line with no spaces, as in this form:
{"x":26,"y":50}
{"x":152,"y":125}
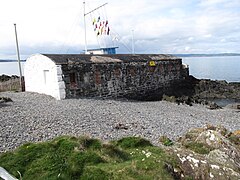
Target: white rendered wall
{"x":95,"y":52}
{"x":42,"y":75}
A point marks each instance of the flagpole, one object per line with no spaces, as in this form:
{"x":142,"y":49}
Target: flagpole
{"x":85,"y":14}
{"x":133,"y":49}
{"x":85,"y":30}
{"x":18,"y":55}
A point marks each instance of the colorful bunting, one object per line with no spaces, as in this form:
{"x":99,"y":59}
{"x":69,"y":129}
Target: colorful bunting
{"x":101,"y":27}
{"x":94,"y":21}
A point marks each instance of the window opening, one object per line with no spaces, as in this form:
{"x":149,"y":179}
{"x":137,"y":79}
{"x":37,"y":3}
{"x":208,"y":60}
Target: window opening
{"x":46,"y":76}
{"x":73,"y":82}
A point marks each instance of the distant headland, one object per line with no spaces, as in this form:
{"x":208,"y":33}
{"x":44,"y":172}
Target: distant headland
{"x":207,"y":55}
{"x":10,"y":60}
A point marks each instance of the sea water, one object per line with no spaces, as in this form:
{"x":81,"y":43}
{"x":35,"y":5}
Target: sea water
{"x":11,"y":68}
{"x":215,"y":68}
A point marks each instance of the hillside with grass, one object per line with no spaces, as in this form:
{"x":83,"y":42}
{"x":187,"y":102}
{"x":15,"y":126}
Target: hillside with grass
{"x":84,"y":158}
{"x":202,"y":153}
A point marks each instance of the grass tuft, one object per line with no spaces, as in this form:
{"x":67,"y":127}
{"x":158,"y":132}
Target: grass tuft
{"x":166,"y":141}
{"x":115,"y":153}
{"x":199,"y":148}
{"x":93,"y":173}
{"x":133,"y":142}
{"x":89,"y":143}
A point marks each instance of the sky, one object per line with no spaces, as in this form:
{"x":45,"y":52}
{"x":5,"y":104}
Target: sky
{"x":150,"y":26}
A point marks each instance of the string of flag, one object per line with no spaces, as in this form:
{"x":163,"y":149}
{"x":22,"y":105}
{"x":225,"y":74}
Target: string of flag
{"x":101,"y":27}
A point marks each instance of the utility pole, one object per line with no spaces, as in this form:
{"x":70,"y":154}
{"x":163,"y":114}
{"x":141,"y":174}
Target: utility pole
{"x":18,"y":56}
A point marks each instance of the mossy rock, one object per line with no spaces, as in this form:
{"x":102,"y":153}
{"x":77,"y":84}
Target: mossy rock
{"x":234,"y":138}
{"x":191,"y":135}
{"x":237,"y":133}
{"x":169,"y":98}
{"x":199,"y":148}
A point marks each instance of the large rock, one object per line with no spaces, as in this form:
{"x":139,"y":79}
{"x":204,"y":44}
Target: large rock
{"x":5,"y":99}
{"x":207,"y":153}
{"x":4,"y":77}
{"x":203,"y":91}
{"x":209,"y":89}
{"x":235,"y":106}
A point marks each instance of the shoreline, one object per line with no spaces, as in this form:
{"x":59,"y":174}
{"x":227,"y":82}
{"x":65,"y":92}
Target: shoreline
{"x":33,"y":117}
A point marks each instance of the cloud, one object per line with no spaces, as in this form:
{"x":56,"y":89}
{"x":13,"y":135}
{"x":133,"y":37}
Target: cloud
{"x":172,"y":26}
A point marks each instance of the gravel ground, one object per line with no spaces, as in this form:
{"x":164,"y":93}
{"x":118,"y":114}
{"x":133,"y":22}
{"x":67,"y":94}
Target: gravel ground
{"x":33,"y":117}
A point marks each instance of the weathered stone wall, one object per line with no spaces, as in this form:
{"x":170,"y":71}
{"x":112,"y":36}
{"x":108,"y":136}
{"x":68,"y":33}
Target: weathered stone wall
{"x":122,"y":79}
{"x":12,"y":84}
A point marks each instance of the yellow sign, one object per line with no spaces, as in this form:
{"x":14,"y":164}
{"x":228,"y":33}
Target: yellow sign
{"x":152,"y":63}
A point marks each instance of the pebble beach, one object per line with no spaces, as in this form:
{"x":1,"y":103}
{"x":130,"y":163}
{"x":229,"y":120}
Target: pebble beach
{"x":33,"y":117}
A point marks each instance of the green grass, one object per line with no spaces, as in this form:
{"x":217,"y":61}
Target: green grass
{"x":84,"y":158}
{"x":166,"y":141}
{"x":198,"y":147}
{"x":132,"y":142}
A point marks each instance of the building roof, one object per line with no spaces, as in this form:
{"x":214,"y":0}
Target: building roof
{"x":108,"y":58}
{"x":104,"y":48}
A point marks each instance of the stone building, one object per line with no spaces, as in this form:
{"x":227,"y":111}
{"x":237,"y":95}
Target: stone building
{"x":118,"y":75}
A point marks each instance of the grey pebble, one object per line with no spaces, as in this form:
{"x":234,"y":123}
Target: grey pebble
{"x":33,"y":117}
